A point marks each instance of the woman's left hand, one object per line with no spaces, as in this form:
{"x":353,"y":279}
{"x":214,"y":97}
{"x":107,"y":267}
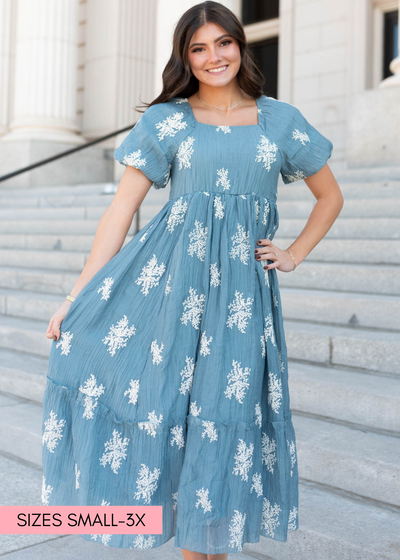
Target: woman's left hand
{"x":266,"y":250}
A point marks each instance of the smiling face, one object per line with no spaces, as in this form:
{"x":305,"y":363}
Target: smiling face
{"x":214,"y":55}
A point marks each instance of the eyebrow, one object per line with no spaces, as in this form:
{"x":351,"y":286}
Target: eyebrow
{"x":216,"y":40}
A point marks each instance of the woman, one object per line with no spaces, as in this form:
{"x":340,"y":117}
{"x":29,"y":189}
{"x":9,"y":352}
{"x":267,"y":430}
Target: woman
{"x":168,"y":383}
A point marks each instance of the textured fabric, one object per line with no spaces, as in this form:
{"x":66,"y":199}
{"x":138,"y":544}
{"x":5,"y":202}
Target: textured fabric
{"x":169,"y":384}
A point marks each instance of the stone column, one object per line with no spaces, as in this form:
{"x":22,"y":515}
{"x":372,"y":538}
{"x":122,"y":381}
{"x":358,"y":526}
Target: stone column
{"x":393,"y":81}
{"x":44,"y":92}
{"x":6,"y":27}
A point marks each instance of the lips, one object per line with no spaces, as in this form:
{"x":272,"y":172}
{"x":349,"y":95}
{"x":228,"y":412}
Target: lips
{"x":225,"y":67}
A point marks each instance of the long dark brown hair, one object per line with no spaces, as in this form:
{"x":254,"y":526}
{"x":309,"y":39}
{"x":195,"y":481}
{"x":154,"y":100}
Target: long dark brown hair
{"x":178,"y":81}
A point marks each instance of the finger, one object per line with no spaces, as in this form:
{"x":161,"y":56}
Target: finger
{"x":273,"y":265}
{"x":266,"y":255}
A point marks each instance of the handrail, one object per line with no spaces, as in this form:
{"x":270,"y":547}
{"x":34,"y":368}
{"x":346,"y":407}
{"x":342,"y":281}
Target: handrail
{"x":67,"y":153}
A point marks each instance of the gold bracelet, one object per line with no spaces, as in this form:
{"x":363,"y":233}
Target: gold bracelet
{"x":70,"y":298}
{"x":292,"y":258}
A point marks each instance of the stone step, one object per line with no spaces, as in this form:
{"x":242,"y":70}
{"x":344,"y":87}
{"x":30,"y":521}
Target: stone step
{"x":364,"y":208}
{"x":341,"y":308}
{"x":38,"y":280}
{"x":367,"y":278}
{"x":67,"y":227}
{"x":23,"y":375}
{"x":374,"y":190}
{"x":349,"y":396}
{"x":364,"y":463}
{"x":348,"y":347}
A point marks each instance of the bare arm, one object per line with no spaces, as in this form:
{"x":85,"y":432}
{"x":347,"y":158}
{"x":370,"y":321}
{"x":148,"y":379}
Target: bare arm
{"x":110,"y":236}
{"x":329,"y":203}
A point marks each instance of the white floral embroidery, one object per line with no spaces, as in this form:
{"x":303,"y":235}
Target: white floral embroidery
{"x":209,"y":430}
{"x":187,"y":375}
{"x":236,"y":530}
{"x":270,"y":515}
{"x":243,"y":460}
{"x":203,"y":500}
{"x":167,"y":175}
{"x":215,"y":275}
{"x":266,"y":278}
{"x":115,"y":451}
{"x":257,"y":207}
{"x":205,"y":193}
{"x":292,"y":524}
{"x":219,"y":207}
{"x":225,"y":129}
{"x":106,"y":288}
{"x":205,"y":344}
{"x":275,"y":299}
{"x":171,"y":125}
{"x":118,"y":335}
{"x":46,"y":491}
{"x":150,"y":275}
{"x":77,"y":474}
{"x":65,"y":343}
{"x":156,"y":350}
{"x":181,"y":100}
{"x":151,"y":425}
{"x":105,"y":539}
{"x":92,"y":392}
{"x":266,"y":152}
{"x":268,"y":452}
{"x":177,"y":432}
{"x":134,"y":160}
{"x":266,"y":212}
{"x":292,"y":451}
{"x":237,"y":382}
{"x":223,"y":179}
{"x":258,"y":414}
{"x":194,"y":308}
{"x":256,"y":484}
{"x":268,"y":333}
{"x":302,"y":136}
{"x":167,"y":286}
{"x":141,"y":542}
{"x":198,"y":240}
{"x":146,"y":483}
{"x":52,"y":431}
{"x":145,"y":234}
{"x":185,"y":152}
{"x":194,"y":411}
{"x":274,"y":392}
{"x":296,"y":176}
{"x":281,"y":364}
{"x":133,"y":391}
{"x":239,"y":312}
{"x":177,"y":214}
{"x":241,"y":245}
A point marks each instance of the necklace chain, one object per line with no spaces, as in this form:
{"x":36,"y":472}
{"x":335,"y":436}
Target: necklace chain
{"x":227,"y":108}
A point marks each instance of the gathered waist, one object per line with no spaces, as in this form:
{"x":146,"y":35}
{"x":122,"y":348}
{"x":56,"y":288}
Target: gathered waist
{"x":208,"y":192}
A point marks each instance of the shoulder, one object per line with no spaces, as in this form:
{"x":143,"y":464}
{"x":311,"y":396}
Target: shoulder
{"x":168,"y":119}
{"x":282,"y":110}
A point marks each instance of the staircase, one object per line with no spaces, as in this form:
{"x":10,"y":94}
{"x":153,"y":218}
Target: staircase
{"x":341,"y":310}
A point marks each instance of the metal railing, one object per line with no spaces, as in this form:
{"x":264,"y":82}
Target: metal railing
{"x":69,"y":152}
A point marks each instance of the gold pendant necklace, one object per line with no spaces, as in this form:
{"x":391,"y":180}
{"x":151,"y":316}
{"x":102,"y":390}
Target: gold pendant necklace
{"x":218,"y":107}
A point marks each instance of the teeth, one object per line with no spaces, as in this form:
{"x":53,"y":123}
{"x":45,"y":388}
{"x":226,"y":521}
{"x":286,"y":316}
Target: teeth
{"x":216,"y":71}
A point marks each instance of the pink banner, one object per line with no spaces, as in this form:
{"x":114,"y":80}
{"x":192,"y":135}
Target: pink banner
{"x":72,"y":520}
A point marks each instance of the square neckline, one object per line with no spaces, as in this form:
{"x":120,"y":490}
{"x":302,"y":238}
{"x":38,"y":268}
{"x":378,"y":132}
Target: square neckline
{"x":230,"y":125}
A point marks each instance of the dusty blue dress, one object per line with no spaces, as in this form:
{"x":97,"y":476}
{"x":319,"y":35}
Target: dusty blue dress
{"x":169,"y":383}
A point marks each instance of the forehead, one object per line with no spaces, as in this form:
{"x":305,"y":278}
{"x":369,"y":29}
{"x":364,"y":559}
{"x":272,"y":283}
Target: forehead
{"x":209,"y":32}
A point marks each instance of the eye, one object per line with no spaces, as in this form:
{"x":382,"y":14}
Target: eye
{"x":198,"y":48}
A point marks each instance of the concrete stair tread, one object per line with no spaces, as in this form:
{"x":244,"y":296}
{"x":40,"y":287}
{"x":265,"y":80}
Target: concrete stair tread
{"x":29,"y":294}
{"x":333,"y":294}
{"x":25,"y":324}
{"x":32,"y":270}
{"x":333,"y":331}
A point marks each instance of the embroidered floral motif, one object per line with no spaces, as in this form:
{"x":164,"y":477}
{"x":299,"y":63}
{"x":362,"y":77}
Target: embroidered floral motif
{"x":143,"y":542}
{"x":292,"y":451}
{"x":302,"y":136}
{"x":266,"y":212}
{"x":194,"y":411}
{"x":239,"y":312}
{"x":105,"y":539}
{"x":65,"y":343}
{"x":92,"y":392}
{"x":209,"y":430}
{"x":205,"y":344}
{"x":77,"y":474}
{"x":266,"y":152}
{"x":215,"y":275}
{"x":194,"y":308}
{"x":118,"y":335}
{"x":236,"y":530}
{"x":115,"y":451}
{"x":223,"y":179}
{"x":106,"y":288}
{"x":150,"y":275}
{"x":185,"y":152}
{"x":151,"y":425}
{"x":203,"y":500}
{"x":52,"y":431}
{"x":198,"y":240}
{"x":241,"y":245}
{"x":156,"y":350}
{"x":274,"y":391}
{"x":219,"y":207}
{"x":177,"y":432}
{"x":177,"y":214}
{"x":270,"y":516}
{"x":146,"y":483}
{"x":134,"y":160}
{"x":133,"y":391}
{"x":237,"y":382}
{"x":181,"y":100}
{"x":225,"y":129}
{"x":257,"y":484}
{"x":145,"y":234}
{"x":187,"y":375}
{"x":171,"y":125}
{"x":258,"y":414}
{"x":296,"y":176}
{"x":46,"y":491}
{"x":167,"y":286}
{"x":268,"y":333}
{"x":292,"y":524}
{"x":243,"y":460}
{"x":268,"y":452}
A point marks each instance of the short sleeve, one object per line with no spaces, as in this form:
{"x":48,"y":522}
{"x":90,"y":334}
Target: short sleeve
{"x":146,"y":149}
{"x":306,"y":150}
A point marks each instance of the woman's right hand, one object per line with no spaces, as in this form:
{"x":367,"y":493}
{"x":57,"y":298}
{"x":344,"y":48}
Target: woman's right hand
{"x":53,"y":329}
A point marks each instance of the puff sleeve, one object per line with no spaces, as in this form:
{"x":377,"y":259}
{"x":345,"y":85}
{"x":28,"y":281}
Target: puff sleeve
{"x":147,"y":149}
{"x":306,"y":150}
